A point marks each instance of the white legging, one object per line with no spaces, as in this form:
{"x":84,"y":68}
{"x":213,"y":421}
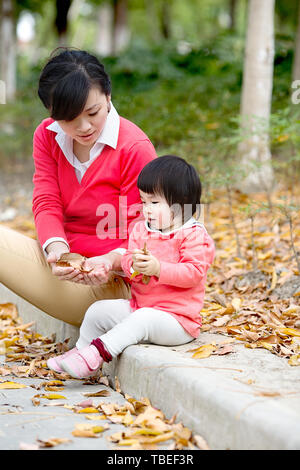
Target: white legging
{"x":114,"y":322}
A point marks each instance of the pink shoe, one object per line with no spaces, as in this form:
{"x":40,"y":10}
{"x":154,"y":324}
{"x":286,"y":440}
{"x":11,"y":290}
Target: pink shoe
{"x":54,"y":362}
{"x":83,"y":363}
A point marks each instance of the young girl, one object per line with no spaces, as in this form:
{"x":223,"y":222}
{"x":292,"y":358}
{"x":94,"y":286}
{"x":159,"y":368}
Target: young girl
{"x":167,"y":260}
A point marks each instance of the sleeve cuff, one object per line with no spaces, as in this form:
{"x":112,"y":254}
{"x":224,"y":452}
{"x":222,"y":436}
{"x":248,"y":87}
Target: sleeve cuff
{"x":122,"y":251}
{"x":51,"y":240}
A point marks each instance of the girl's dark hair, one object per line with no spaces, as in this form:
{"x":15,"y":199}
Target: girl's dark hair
{"x":174,"y":179}
{"x":66,"y":80}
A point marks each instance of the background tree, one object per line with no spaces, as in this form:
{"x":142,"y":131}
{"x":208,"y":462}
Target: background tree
{"x":296,"y":62}
{"x":8,"y":47}
{"x":254,"y":151}
{"x":120,"y":30}
{"x":61,"y":20}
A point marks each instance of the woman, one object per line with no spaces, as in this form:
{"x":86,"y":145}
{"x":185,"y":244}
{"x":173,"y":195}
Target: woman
{"x":87,"y":161}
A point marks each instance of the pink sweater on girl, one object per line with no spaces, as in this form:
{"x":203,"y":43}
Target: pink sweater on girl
{"x":185,"y":256}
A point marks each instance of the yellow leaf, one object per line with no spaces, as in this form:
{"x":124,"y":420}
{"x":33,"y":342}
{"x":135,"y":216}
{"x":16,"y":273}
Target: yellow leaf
{"x":294,"y":360}
{"x":135,"y":273}
{"x":88,"y":430}
{"x":146,"y":431}
{"x":11,"y":385}
{"x":48,"y":388}
{"x":291,"y":309}
{"x":95,"y":418}
{"x":83,"y":433}
{"x":52,"y":396}
{"x":97,"y":429}
{"x":156,"y":439}
{"x":204,"y":351}
{"x":289,"y":331}
{"x":88,"y":410}
{"x":128,"y":442}
{"x":265,"y":345}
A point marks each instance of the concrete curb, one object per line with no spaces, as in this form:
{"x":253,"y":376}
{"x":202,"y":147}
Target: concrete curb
{"x":211,"y":396}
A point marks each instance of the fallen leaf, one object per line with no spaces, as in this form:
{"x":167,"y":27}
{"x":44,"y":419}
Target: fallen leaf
{"x":88,"y":430}
{"x":200,"y":442}
{"x":53,"y":396}
{"x":101,"y":393}
{"x":204,"y":351}
{"x":73,"y":260}
{"x":11,"y":385}
{"x":88,"y":410}
{"x":294,"y":360}
{"x":52,"y":442}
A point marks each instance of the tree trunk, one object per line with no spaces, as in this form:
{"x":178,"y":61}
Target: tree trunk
{"x":254,"y":150}
{"x":165,"y":19}
{"x":61,"y":20}
{"x":104,"y":44}
{"x":296,"y":63}
{"x":121,"y":34}
{"x":8,"y":50}
{"x":232,"y":13}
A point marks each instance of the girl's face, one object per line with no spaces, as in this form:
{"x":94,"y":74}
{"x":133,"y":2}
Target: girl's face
{"x":88,"y":125}
{"x":157,"y":212}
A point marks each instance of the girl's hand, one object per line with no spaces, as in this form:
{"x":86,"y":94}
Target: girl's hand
{"x":145,"y":264}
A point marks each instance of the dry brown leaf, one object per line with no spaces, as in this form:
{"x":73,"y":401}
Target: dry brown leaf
{"x":101,"y":393}
{"x":73,"y":260}
{"x":200,"y":442}
{"x":52,"y":442}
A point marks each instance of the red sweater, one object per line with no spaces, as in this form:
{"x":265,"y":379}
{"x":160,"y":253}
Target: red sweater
{"x":81,"y":212}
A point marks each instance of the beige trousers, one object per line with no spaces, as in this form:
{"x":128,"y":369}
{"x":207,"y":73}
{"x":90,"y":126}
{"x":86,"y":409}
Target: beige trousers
{"x":25,"y":271}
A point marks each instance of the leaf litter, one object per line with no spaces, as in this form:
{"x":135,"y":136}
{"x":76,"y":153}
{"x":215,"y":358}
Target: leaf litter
{"x":145,"y":427}
{"x":257,"y":304}
{"x":258,"y":307}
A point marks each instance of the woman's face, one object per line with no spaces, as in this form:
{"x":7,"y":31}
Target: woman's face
{"x":88,"y":125}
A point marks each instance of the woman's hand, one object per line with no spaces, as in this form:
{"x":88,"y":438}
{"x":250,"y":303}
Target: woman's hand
{"x":63,"y":273}
{"x":145,"y":264}
{"x":101,"y":267}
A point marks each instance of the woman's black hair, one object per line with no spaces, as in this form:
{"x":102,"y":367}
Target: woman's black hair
{"x":174,"y":179}
{"x":66,"y":80}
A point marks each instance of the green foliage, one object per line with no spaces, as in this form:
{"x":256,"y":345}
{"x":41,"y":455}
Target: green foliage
{"x":188,"y":104}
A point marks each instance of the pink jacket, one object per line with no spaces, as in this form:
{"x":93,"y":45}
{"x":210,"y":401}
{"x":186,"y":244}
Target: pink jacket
{"x":185,"y":256}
